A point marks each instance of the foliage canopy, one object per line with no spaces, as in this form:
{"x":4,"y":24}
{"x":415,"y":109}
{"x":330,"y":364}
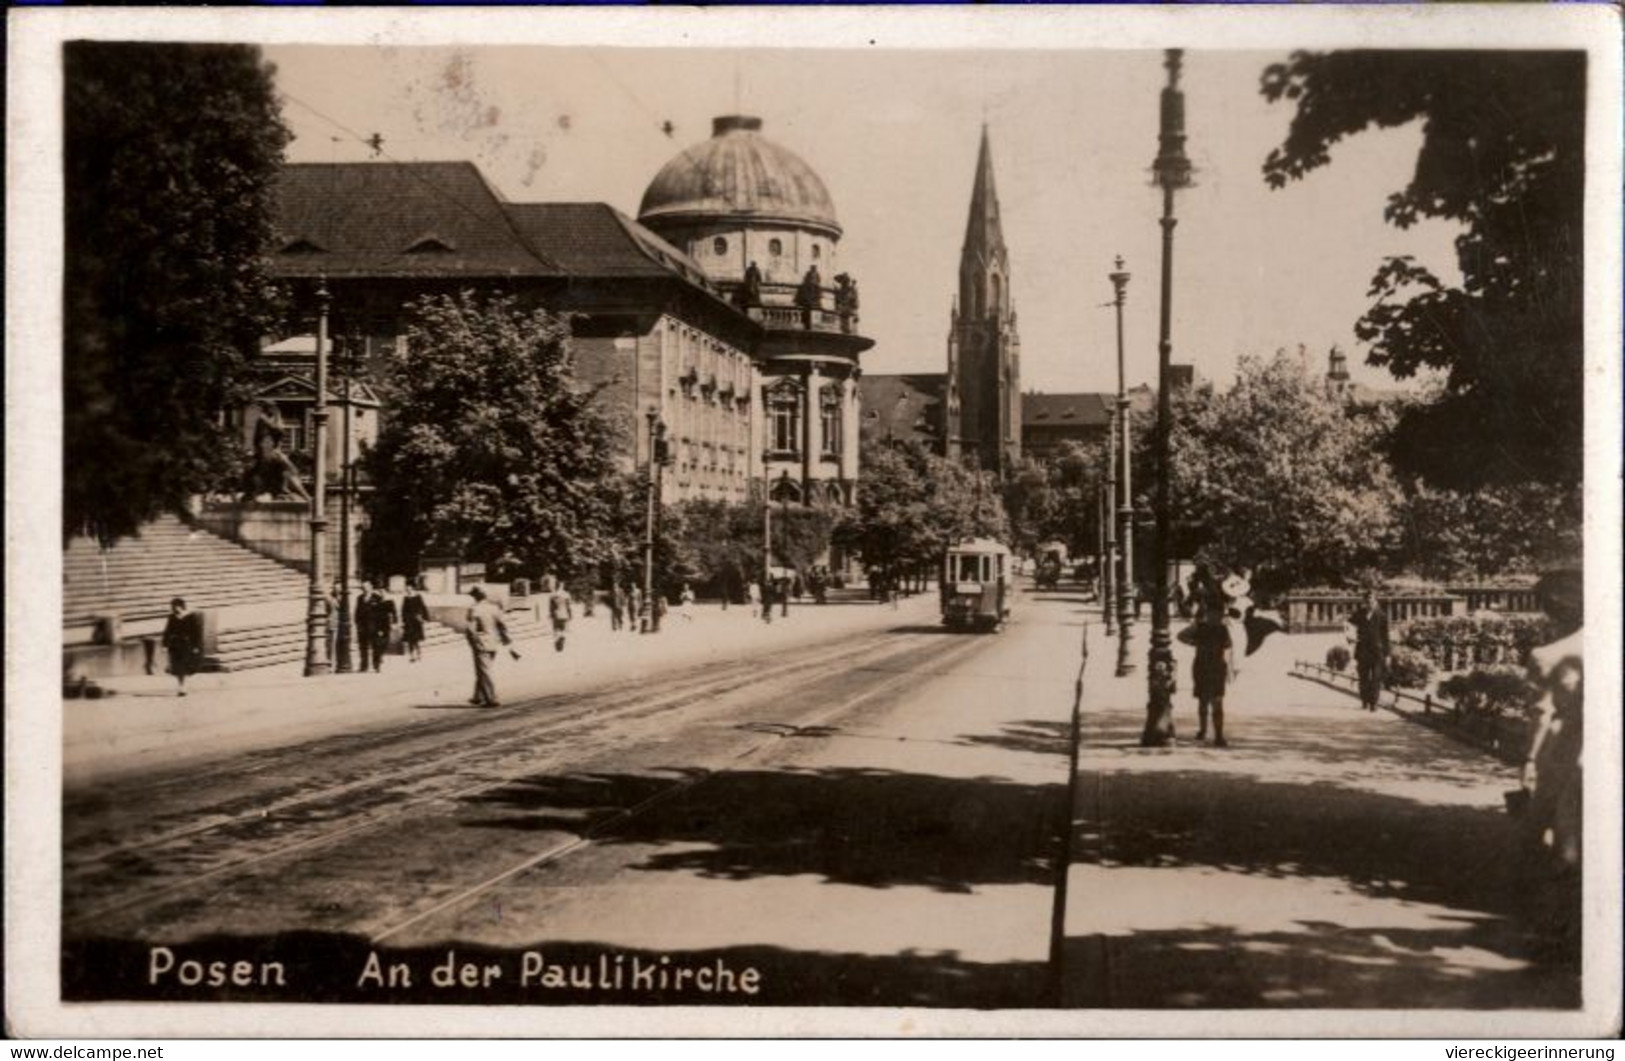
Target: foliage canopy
{"x":170,"y":152}
{"x":1502,"y":155}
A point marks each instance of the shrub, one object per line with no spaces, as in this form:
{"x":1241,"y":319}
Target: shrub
{"x":1460,"y":641}
{"x":1338,"y":658}
{"x":1407,"y":669}
{"x":1491,"y":692}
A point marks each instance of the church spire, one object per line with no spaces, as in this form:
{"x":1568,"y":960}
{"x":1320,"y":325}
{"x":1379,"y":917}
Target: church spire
{"x":984,"y":236}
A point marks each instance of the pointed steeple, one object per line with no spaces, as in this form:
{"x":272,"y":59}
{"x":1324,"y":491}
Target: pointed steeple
{"x":984,"y":236}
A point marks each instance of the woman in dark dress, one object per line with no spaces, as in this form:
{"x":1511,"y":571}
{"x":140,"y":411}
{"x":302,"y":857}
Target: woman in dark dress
{"x":414,"y":613}
{"x":1210,"y":672}
{"x":183,"y":641}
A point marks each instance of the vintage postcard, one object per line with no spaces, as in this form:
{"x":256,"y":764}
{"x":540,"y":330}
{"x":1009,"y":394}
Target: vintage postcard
{"x":882,"y":521}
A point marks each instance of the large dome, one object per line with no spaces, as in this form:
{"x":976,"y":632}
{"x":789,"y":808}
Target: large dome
{"x":737,"y":175}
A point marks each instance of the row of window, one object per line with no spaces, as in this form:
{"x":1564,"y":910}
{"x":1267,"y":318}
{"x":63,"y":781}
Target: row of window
{"x":775,"y":248}
{"x":784,"y":423}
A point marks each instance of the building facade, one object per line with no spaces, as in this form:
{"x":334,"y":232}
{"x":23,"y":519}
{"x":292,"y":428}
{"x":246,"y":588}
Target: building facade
{"x":761,"y":224}
{"x":648,"y":326}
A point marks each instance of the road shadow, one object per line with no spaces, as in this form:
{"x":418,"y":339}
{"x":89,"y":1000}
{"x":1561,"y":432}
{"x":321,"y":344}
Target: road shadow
{"x":1035,"y":736}
{"x":871,"y":828}
{"x":1354,"y":823}
{"x":1322,"y":965}
{"x":326,"y":967}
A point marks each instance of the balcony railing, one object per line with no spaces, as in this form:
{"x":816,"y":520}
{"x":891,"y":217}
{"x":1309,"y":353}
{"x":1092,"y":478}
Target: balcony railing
{"x":779,"y":310}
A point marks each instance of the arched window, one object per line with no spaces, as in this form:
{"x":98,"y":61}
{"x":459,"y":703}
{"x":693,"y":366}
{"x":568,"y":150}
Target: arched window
{"x":775,"y":247}
{"x":815,"y":252}
{"x":719,"y":246}
{"x":997,"y":291}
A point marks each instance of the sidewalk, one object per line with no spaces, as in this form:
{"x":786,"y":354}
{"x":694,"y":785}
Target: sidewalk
{"x":145,"y":723}
{"x":1329,"y":858}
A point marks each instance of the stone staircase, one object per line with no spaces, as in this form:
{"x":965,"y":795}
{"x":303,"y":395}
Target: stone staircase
{"x":134,"y":580}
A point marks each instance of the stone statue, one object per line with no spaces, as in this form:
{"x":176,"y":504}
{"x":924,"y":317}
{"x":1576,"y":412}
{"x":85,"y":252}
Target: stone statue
{"x":846,"y":294}
{"x":751,"y":293}
{"x":809,"y":293}
{"x":272,"y":471}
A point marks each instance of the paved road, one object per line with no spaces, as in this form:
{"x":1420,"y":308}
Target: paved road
{"x":873,"y":819}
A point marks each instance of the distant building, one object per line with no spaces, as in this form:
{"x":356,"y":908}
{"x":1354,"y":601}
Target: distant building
{"x":983,"y":425}
{"x":1050,"y":421}
{"x":973,"y":411}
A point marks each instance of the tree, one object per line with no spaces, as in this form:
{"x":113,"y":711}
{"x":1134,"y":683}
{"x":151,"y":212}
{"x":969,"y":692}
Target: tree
{"x":1279,"y":476}
{"x":169,"y":152}
{"x":492,"y":450}
{"x":1502,"y":155}
{"x":1497,"y":530}
{"x":1058,"y":498}
{"x":912,"y":504}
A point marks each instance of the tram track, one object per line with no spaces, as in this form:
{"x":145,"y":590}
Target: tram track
{"x":621,"y":819}
{"x":483,"y":746}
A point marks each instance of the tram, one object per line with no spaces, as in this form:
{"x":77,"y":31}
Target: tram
{"x":977,"y":585}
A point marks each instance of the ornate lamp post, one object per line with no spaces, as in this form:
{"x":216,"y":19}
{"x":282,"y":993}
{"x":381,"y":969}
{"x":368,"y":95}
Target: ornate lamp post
{"x":1173,"y":172}
{"x":1125,"y":505}
{"x":316,"y":660}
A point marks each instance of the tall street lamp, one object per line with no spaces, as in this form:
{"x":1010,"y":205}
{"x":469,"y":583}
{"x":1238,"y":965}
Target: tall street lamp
{"x":784,"y":538}
{"x":344,"y":664}
{"x":1103,"y":534}
{"x":1173,"y":172}
{"x":767,"y":534}
{"x":657,"y":457}
{"x":1125,"y":506}
{"x":316,"y":658}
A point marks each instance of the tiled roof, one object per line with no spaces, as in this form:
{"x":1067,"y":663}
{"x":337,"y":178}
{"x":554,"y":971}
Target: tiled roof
{"x":406,"y":219}
{"x":903,"y":408}
{"x":1066,"y":410}
{"x":595,"y":239}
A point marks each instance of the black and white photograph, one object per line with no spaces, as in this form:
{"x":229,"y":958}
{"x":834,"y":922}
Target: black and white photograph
{"x":1043,"y":521}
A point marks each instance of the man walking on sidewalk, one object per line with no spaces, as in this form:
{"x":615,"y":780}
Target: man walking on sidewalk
{"x":1370,"y":648}
{"x":487,"y":632}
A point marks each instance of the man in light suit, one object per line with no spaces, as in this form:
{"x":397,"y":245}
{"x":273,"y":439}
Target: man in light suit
{"x":487,"y":633}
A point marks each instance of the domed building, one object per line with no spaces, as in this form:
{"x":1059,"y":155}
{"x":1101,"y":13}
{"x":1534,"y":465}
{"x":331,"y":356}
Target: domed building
{"x":761,"y":224}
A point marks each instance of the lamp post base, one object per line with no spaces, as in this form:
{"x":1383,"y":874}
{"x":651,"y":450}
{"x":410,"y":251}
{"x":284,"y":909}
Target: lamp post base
{"x":1160,"y":687}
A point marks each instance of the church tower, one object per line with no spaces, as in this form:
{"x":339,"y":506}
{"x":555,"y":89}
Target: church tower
{"x":983,"y":422}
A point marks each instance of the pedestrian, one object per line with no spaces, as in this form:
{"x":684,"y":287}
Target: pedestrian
{"x":183,"y":641}
{"x":753,"y":596}
{"x":617,"y":605}
{"x":487,"y":633}
{"x":385,"y":617}
{"x":1370,"y":625}
{"x":361,"y":625}
{"x":559,"y":611}
{"x":414,"y":613}
{"x":634,"y":614}
{"x":767,"y":601}
{"x":1210,"y":672}
{"x":782,"y":592}
{"x":686,"y":603}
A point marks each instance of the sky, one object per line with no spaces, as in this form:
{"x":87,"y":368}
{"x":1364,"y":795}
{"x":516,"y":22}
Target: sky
{"x":894,"y":135}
